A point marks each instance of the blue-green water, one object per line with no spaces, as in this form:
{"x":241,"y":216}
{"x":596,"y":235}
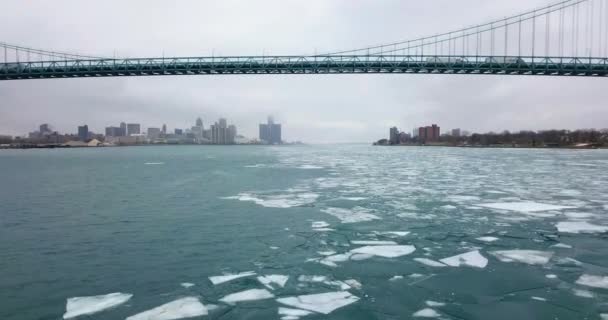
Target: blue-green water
{"x":144,"y":220}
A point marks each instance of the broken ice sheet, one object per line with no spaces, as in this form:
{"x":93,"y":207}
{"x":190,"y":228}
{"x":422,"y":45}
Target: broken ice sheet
{"x":187,"y":307}
{"x":523,"y":207}
{"x":79,"y":306}
{"x":532,"y":257}
{"x":276,"y":279}
{"x":471,"y":259}
{"x":323,"y":303}
{"x":229,"y":277}
{"x":247,"y":295}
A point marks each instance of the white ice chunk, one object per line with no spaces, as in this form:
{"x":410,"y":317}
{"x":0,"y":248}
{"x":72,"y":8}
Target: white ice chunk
{"x":532,"y":257}
{"x":187,"y":307}
{"x":292,"y":314}
{"x":431,"y":303}
{"x":247,"y":295}
{"x":524,"y":207}
{"x":429,"y":262}
{"x":583,"y":293}
{"x":487,"y":239}
{"x":326,"y":253}
{"x":357,"y":214}
{"x":323,"y":229}
{"x":562,"y":245}
{"x":539,"y":298}
{"x":426,"y":313}
{"x":323,"y":303}
{"x":372,"y":242}
{"x":386,"y":251}
{"x":580,"y":227}
{"x":551,"y":276}
{"x":448,"y":207}
{"x":319,"y":224}
{"x":395,"y":278}
{"x":353,"y":283}
{"x":229,"y":277}
{"x":471,"y":259}
{"x":604,"y":316}
{"x":593,"y":281}
{"x":187,"y":284}
{"x":79,"y":306}
{"x":360,"y":256}
{"x":270,"y":279}
{"x":154,"y":163}
{"x":392,"y":233}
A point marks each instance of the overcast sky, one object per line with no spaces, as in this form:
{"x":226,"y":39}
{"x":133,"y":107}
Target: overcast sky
{"x":319,"y":108}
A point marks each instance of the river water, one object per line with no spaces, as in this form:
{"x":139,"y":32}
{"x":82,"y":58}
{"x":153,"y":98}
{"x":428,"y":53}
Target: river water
{"x":309,"y":232}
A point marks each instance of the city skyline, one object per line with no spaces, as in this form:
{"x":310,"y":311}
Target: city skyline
{"x":345,"y":108}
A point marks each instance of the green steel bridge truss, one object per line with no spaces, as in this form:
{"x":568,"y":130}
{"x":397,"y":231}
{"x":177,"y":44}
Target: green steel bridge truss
{"x":334,"y":64}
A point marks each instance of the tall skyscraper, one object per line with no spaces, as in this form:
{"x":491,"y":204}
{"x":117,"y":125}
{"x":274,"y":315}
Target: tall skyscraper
{"x":164,"y":131}
{"x":153,"y":133}
{"x":221,"y":133}
{"x":270,"y":132}
{"x":393,"y":135}
{"x":456,"y":132}
{"x":199,"y":122}
{"x":133,"y":128}
{"x":123,"y":129}
{"x":198,"y":129}
{"x":83,"y":133}
{"x":45,"y":128}
{"x":429,"y":133}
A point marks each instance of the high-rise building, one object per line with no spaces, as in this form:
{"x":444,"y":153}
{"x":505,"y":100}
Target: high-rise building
{"x":198,"y":129}
{"x":153,"y":133}
{"x":393,"y":135}
{"x":456,"y":132}
{"x":164,"y":131}
{"x":123,"y":129}
{"x":270,"y":132}
{"x":429,"y":133}
{"x":83,"y":133}
{"x":45,"y":128}
{"x":113,"y":132}
{"x":221,"y":133}
{"x":199,"y":122}
{"x":415,"y":133}
{"x":133,"y":128}
{"x":178,"y":132}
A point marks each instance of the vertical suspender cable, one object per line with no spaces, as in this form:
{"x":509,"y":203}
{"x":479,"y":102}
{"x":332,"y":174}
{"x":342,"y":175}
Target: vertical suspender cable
{"x":492,"y":39}
{"x":519,"y":39}
{"x":591,"y":25}
{"x":533,"y":32}
{"x":506,"y":38}
{"x":547,"y":32}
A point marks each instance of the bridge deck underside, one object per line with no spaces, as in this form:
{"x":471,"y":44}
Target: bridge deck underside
{"x":597,"y":67}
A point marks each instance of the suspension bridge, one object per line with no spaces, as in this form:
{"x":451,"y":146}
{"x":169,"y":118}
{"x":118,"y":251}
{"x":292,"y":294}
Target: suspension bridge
{"x":567,"y":38}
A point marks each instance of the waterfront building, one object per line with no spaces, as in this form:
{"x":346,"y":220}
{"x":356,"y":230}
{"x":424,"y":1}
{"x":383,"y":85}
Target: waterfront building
{"x":178,"y":132}
{"x":123,"y":129}
{"x":153,"y":133}
{"x":270,"y":132}
{"x":393,"y":136}
{"x":45,"y":128}
{"x":113,"y":132}
{"x":221,"y":133}
{"x":415,"y":133}
{"x":456,"y":132}
{"x":83,"y":133}
{"x":164,"y":130}
{"x":133,"y":128}
{"x":429,"y":133}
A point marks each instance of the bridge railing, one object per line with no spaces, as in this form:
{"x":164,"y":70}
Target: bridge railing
{"x":307,"y":64}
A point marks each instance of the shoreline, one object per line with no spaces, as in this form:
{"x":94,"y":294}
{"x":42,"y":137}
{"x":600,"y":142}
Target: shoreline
{"x":572,"y":147}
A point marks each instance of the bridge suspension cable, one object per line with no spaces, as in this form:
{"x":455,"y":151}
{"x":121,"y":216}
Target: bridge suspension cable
{"x":16,"y":53}
{"x":555,"y":34}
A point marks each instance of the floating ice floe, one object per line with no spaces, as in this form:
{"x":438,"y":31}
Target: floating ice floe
{"x":372,"y":242}
{"x":538,"y":298}
{"x":323,"y":279}
{"x":551,"y":276}
{"x":487,"y":239}
{"x":532,"y":257}
{"x":309,"y":167}
{"x":392,"y":234}
{"x":523,"y":207}
{"x":353,"y":198}
{"x":429,"y":262}
{"x":562,"y":246}
{"x":579,"y":215}
{"x":448,"y":207}
{"x":426,"y":313}
{"x":292,"y":314}
{"x":326,"y":253}
{"x":79,"y":306}
{"x":583,"y":293}
{"x":319,"y":224}
{"x":357,"y":214}
{"x":154,"y":163}
{"x":247,"y":295}
{"x":395,"y":278}
{"x":580,"y":227}
{"x":431,"y":303}
{"x":187,"y":284}
{"x":353,"y":283}
{"x":187,"y":307}
{"x":273,"y":248}
{"x":271,"y":279}
{"x":229,"y":277}
{"x":471,"y":259}
{"x":604,"y":316}
{"x":323,"y":303}
{"x":387,"y":251}
{"x":593,"y":281}
{"x":461,"y":198}
{"x":278,"y":201}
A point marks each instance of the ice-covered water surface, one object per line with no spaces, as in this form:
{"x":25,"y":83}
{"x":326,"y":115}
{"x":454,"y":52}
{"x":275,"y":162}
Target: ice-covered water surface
{"x":286,"y":232}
